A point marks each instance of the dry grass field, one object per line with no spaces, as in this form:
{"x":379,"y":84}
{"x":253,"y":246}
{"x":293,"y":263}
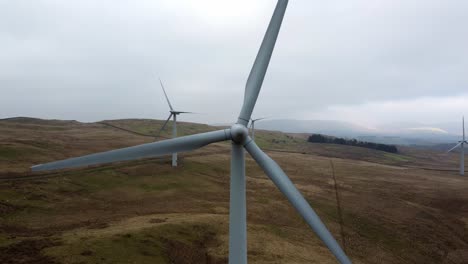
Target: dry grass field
{"x":410,"y":207}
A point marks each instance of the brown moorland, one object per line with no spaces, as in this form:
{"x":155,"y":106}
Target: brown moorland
{"x":410,"y":207}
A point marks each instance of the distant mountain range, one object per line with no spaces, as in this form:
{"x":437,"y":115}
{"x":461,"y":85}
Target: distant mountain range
{"x":400,"y":134}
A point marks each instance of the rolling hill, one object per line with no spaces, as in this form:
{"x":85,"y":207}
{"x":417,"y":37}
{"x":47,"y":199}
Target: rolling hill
{"x":409,"y":207}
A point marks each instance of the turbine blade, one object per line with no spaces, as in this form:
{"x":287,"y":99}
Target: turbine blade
{"x":463,"y":121}
{"x":165,"y":123}
{"x":154,"y":149}
{"x":453,"y":147}
{"x":258,"y":119}
{"x":281,"y":180}
{"x":260,"y":66}
{"x":167,"y":98}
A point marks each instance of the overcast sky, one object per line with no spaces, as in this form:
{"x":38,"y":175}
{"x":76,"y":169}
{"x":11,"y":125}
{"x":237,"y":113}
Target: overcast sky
{"x":365,"y":61}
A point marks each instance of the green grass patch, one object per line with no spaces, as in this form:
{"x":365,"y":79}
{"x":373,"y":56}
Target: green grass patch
{"x":277,"y":140}
{"x":152,"y":127}
{"x":370,"y":229}
{"x":5,"y":240}
{"x":101,"y":180}
{"x":18,"y":152}
{"x":278,"y":231}
{"x":10,"y":152}
{"x":397,"y":157}
{"x":326,"y":210}
{"x":170,"y":243}
{"x":375,"y":232}
{"x":161,"y":186}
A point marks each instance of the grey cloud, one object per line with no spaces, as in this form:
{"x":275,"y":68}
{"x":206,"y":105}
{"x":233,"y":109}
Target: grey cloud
{"x":92,"y":60}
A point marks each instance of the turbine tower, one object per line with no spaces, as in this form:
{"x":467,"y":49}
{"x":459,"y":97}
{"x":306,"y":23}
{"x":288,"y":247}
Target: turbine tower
{"x":462,"y":150}
{"x":252,"y":126}
{"x":240,"y":140}
{"x":173,"y":114}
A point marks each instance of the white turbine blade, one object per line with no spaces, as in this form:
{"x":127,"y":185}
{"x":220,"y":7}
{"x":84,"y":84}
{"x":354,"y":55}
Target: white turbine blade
{"x":281,"y":180}
{"x":259,"y":68}
{"x":258,"y":119}
{"x":463,"y":121}
{"x":454,"y":147}
{"x":155,"y":149}
{"x":165,"y":123}
{"x":167,"y":98}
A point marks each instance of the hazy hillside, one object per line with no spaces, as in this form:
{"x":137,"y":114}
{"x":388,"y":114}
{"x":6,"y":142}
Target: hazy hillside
{"x":397,"y":134}
{"x":327,"y":127}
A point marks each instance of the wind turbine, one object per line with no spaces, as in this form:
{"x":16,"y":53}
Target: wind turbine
{"x":238,"y":135}
{"x":462,"y":150}
{"x":252,"y":125}
{"x":174,"y":114}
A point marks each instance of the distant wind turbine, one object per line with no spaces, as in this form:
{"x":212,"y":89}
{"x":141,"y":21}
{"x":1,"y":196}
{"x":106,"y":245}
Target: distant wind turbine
{"x":174,"y":114}
{"x":252,"y":125}
{"x":240,"y":141}
{"x":462,"y":150}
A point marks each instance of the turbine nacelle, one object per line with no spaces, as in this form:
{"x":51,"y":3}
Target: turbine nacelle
{"x":239,"y":133}
{"x":179,"y":112}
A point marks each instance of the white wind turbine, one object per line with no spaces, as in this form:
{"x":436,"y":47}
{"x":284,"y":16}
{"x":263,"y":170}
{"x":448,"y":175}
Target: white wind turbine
{"x":238,"y":135}
{"x":252,"y":126}
{"x":462,"y":150}
{"x":174,"y":114}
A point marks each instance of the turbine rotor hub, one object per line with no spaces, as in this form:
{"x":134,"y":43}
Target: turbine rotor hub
{"x":239,"y":133}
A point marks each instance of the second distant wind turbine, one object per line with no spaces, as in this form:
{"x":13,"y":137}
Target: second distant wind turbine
{"x":252,"y":126}
{"x":173,"y":114}
{"x":462,"y":150}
